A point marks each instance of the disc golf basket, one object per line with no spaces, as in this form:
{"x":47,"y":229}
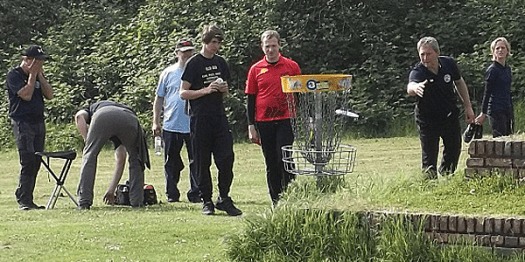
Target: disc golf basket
{"x":317,"y":106}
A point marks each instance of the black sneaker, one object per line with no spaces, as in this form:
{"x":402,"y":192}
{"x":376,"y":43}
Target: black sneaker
{"x":478,"y":132}
{"x":35,"y":206}
{"x":173,"y":200}
{"x":226,"y":204}
{"x":208,"y":208}
{"x":83,"y":207}
{"x":24,"y":207}
{"x":469,"y":133}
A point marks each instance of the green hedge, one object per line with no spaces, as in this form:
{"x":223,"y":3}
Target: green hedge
{"x":116,"y":49}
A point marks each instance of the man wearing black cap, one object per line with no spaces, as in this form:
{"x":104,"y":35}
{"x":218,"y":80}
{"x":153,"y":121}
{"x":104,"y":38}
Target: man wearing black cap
{"x":176,"y":125}
{"x":26,"y":88}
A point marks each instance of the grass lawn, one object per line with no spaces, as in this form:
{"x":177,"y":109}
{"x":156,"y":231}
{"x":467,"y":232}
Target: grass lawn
{"x":385,"y":177}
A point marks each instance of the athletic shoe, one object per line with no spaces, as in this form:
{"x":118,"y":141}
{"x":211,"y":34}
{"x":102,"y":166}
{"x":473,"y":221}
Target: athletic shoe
{"x":195,"y":199}
{"x":83,"y":207}
{"x":35,"y":206}
{"x":208,"y":208}
{"x":469,"y":133}
{"x":173,"y":200}
{"x":24,"y":207}
{"x":226,"y":204}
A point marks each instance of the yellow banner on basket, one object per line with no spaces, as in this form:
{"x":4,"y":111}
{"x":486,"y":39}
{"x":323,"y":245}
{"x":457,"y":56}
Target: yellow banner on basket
{"x":316,"y":83}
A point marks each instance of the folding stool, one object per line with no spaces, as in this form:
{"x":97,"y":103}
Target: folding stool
{"x":69,"y":156}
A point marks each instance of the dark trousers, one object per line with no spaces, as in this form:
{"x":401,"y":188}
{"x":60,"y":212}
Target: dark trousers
{"x":501,"y":123}
{"x":212,"y":135}
{"x":273,"y":136}
{"x":430,"y":132}
{"x":30,"y":138}
{"x":173,"y":164}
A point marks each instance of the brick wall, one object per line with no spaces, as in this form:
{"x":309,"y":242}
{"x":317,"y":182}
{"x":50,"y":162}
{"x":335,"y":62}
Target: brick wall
{"x":489,"y":156}
{"x":485,"y":231}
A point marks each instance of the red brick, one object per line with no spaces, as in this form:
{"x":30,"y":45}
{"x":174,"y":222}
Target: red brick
{"x":498,"y":241}
{"x":434,"y":223}
{"x":471,"y":225}
{"x":443,"y":224}
{"x":453,"y":224}
{"x":483,"y":240}
{"x":498,"y":226}
{"x":498,"y":162}
{"x":489,"y":147}
{"x":484,"y":171}
{"x":516,"y":226}
{"x":516,"y":148}
{"x":476,"y":162}
{"x":521,"y":173}
{"x":511,"y":241}
{"x":507,"y":151}
{"x":521,"y":242}
{"x":489,"y":225}
{"x":480,"y":147}
{"x":498,"y":147}
{"x":519,"y":163}
{"x":480,"y":226}
{"x":462,"y":225}
{"x":507,"y":226}
{"x":471,"y":172}
{"x":472,"y":148}
{"x":441,"y":237}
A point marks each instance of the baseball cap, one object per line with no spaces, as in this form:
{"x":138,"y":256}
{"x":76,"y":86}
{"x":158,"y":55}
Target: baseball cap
{"x":35,"y":51}
{"x":184,"y":45}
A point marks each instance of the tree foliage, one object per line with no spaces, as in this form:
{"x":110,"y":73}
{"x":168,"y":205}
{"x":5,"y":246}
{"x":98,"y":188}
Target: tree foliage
{"x":116,"y":49}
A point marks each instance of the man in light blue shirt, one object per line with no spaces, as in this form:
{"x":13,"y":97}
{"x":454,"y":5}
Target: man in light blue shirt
{"x":176,"y":125}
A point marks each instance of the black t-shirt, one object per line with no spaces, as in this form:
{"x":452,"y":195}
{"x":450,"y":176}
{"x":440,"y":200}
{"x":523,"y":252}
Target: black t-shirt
{"x":200,"y":72}
{"x":439,"y":98}
{"x":19,"y":109}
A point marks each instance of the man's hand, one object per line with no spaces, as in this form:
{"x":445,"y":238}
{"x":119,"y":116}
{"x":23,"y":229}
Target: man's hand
{"x":419,"y":88}
{"x":109,"y":198}
{"x":252,"y":134}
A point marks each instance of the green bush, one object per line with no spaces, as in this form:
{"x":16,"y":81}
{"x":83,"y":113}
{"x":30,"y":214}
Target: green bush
{"x":116,"y":49}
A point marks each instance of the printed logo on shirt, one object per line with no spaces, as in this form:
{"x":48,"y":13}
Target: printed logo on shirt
{"x":447,"y":78}
{"x":264,"y":70}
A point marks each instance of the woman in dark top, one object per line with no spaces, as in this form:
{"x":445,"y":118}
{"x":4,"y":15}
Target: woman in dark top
{"x":497,"y":100}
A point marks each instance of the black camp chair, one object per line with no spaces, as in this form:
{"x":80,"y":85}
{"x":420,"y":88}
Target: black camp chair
{"x":69,"y":156}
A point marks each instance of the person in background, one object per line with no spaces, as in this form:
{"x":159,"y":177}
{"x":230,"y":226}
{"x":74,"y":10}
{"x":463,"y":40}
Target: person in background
{"x":26,"y":89}
{"x":82,"y":120}
{"x":100,"y":122}
{"x":497,"y":99}
{"x":267,"y":110}
{"x":434,"y":81}
{"x":175,"y":129}
{"x":204,"y":86}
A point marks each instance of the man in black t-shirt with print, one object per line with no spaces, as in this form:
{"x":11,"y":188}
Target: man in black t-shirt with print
{"x":434,"y":81}
{"x":204,"y":85}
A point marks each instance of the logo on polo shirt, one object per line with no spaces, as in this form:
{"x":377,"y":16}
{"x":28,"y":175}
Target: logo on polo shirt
{"x":447,"y":78}
{"x":264,"y":70}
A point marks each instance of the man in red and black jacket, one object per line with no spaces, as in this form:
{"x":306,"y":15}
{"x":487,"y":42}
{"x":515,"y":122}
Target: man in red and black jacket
{"x":268,"y":113}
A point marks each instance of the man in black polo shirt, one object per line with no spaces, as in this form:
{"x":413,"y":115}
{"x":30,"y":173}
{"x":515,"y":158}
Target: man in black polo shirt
{"x":26,"y":88}
{"x":434,"y":81}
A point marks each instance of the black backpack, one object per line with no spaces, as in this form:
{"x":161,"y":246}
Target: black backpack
{"x":122,"y":195}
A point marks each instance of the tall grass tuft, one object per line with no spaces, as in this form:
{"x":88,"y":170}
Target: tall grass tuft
{"x":402,"y":240}
{"x":290,"y":234}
